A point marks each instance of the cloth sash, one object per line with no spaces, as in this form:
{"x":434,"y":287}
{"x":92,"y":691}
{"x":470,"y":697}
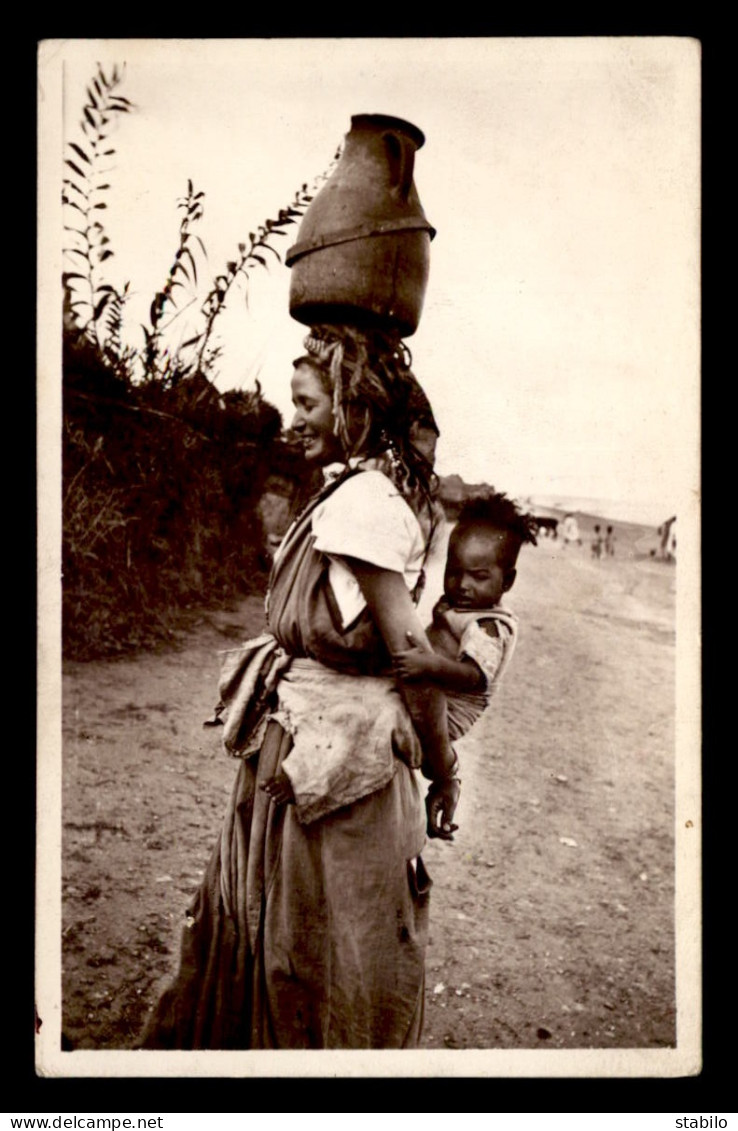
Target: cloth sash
{"x":348,"y":732}
{"x":248,"y":678}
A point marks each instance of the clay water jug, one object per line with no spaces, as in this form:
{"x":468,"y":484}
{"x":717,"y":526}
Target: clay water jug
{"x":363,"y":247}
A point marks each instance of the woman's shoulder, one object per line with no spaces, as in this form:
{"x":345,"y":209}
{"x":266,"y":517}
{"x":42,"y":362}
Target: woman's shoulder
{"x":366,"y":517}
{"x":364,"y":493}
{"x":370,"y":477}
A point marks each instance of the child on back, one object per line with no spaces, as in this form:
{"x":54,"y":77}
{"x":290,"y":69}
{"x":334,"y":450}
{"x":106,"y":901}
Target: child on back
{"x":472,"y":635}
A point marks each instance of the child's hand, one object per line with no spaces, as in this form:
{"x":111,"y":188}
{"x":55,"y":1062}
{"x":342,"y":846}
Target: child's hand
{"x":413,"y":664}
{"x":279,"y":789}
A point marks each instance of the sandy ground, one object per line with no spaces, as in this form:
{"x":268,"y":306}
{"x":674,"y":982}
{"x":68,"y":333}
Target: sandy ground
{"x":552,"y":912}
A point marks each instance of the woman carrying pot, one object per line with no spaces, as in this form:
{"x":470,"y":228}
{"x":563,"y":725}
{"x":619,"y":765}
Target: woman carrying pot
{"x":309,"y":930}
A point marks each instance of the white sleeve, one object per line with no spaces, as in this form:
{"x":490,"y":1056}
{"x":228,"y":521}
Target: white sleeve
{"x":491,"y":653}
{"x":368,"y":519}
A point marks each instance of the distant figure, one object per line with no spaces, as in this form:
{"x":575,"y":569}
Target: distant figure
{"x":570,"y":530}
{"x":597,"y":543}
{"x":609,"y":542}
{"x":668,"y":540}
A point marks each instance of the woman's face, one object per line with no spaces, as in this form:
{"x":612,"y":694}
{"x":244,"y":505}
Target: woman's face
{"x":313,"y":419}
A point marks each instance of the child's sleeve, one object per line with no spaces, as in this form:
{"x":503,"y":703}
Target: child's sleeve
{"x":489,"y":643}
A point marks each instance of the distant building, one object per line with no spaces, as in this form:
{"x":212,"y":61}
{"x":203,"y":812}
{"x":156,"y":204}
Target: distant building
{"x":453,"y":491}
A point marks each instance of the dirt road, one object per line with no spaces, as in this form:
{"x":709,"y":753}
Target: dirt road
{"x":552,"y":912}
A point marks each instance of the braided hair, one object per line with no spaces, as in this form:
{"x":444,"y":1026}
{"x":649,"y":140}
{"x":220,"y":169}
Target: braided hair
{"x":376,"y":401}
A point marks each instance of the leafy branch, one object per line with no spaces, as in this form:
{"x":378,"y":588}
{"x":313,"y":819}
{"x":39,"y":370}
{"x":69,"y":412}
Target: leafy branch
{"x":94,"y":307}
{"x":249,"y":255}
{"x":120,"y":356}
{"x":182,"y":273}
{"x":83,"y":192}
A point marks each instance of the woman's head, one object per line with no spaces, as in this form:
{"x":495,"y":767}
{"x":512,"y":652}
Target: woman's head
{"x":355,"y":390}
{"x":314,"y":422}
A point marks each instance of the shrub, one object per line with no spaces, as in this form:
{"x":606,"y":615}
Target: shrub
{"x":162,"y":474}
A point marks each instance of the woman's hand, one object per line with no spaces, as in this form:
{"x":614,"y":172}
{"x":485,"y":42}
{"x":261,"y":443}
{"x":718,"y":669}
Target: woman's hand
{"x":440,"y":805}
{"x":279,"y":789}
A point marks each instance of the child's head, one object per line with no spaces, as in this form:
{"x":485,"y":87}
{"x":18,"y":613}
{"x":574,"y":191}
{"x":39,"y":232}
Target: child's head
{"x":483,"y":551}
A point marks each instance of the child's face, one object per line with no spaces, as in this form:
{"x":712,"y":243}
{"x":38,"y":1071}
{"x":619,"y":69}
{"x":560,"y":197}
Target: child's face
{"x":478,"y":569}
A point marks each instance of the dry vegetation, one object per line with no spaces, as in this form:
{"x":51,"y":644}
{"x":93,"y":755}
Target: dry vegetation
{"x":162,"y":474}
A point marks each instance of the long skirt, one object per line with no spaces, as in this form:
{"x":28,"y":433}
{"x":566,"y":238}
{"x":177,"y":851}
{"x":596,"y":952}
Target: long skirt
{"x":304,"y":936}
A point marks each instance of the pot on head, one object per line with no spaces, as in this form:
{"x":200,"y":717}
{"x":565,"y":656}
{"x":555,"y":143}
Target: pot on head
{"x":363,"y":249}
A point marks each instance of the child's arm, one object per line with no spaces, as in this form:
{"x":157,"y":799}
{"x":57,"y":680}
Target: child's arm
{"x":417,"y":663}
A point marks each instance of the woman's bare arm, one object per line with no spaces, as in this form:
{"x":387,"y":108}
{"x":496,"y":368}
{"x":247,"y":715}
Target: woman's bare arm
{"x":395,"y":616}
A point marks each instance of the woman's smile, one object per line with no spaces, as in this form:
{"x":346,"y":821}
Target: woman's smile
{"x":310,"y":444}
{"x":313,"y":420}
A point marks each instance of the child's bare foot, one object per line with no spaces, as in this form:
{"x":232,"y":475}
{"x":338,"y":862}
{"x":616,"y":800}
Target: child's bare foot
{"x":279,"y":789}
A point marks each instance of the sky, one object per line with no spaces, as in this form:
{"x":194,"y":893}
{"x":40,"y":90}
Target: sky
{"x":559,"y":340}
